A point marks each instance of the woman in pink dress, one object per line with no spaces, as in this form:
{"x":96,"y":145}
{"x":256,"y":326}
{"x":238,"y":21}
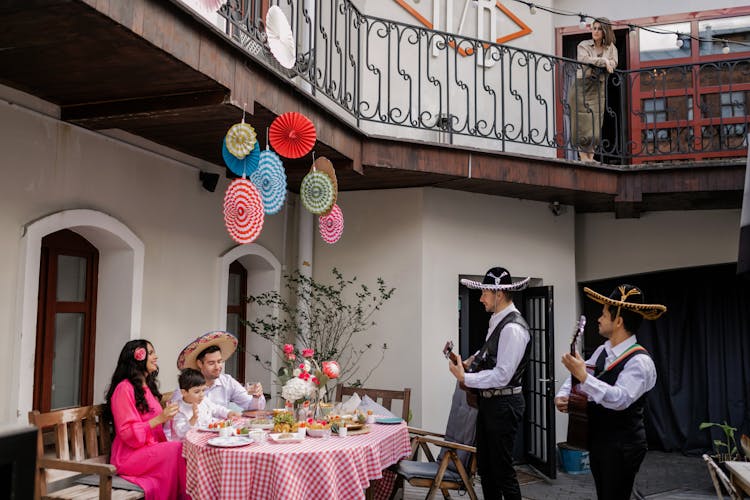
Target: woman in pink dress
{"x":140,"y":450}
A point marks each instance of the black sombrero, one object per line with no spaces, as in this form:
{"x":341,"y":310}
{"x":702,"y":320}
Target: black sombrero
{"x":627,"y":297}
{"x":497,"y":278}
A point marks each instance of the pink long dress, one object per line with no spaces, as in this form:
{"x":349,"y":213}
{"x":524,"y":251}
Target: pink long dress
{"x":141,"y":454}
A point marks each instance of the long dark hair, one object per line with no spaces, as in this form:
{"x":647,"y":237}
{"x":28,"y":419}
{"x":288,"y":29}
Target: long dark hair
{"x":129,"y":368}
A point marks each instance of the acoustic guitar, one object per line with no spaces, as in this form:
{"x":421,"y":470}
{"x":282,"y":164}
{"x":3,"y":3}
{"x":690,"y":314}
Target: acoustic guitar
{"x":472,"y":395}
{"x":578,"y":434}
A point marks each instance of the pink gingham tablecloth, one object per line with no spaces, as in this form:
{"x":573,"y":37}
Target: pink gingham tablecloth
{"x":316,"y":468}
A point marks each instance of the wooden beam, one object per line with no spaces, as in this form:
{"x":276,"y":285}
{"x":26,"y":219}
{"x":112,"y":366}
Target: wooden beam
{"x":101,"y":111}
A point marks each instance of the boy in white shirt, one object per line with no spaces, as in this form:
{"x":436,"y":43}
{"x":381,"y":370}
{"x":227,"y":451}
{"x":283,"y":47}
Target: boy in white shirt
{"x":194,"y":408}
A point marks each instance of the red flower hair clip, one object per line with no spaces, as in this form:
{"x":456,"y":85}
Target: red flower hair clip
{"x":140,"y":354}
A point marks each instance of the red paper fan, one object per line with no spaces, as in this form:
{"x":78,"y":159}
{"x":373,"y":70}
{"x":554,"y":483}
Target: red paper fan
{"x":243,"y":211}
{"x":292,"y":135}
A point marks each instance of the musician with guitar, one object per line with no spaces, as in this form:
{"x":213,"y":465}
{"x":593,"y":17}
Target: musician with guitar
{"x":619,"y":374}
{"x":496,"y":375}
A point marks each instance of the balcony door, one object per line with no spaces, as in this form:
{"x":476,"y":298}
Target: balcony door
{"x":66,"y":319}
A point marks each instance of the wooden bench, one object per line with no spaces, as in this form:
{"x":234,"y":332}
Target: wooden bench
{"x":82,"y":441}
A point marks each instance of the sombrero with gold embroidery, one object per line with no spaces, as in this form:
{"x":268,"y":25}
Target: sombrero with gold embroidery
{"x":225,"y":340}
{"x":497,"y":278}
{"x":630,"y":298}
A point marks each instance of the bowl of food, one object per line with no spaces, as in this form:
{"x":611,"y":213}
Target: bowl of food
{"x":261,"y":423}
{"x":320,"y":428}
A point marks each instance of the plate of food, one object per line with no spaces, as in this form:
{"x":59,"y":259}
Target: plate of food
{"x":214,"y":426}
{"x":388,"y":420}
{"x":230,"y":441}
{"x":354,"y":426}
{"x":285,"y":437}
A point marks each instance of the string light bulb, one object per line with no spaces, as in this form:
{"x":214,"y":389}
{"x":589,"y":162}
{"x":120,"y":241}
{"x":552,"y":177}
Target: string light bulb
{"x":582,"y":22}
{"x":632,"y":30}
{"x":679,"y":42}
{"x":725,"y":49}
{"x":532,"y":9}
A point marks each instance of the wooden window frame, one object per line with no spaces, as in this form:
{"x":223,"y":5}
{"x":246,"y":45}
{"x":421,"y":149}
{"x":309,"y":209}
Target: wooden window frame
{"x":241,"y":310}
{"x":64,"y":242}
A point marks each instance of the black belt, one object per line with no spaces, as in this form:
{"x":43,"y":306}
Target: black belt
{"x":503,"y":391}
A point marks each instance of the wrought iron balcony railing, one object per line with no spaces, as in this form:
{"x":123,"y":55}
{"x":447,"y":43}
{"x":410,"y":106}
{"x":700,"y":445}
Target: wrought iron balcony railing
{"x":379,"y":74}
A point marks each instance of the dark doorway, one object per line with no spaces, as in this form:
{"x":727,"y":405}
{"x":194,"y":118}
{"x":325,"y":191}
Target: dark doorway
{"x":615,"y":118}
{"x":535,"y":444}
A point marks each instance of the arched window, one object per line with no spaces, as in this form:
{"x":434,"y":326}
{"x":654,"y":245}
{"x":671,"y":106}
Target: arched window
{"x":236,"y":314}
{"x":66,"y":322}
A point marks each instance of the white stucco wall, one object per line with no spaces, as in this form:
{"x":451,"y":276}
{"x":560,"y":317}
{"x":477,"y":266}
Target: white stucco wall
{"x":608,"y":247}
{"x":382,"y":238}
{"x":48,"y":166}
{"x":420,"y":241}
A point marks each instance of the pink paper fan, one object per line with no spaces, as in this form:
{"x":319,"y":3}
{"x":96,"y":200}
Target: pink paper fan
{"x":332,"y":225}
{"x":292,"y":135}
{"x":243,"y":211}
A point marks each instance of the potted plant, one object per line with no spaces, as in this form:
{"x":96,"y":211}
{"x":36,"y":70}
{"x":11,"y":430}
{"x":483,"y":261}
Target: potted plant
{"x":318,"y":331}
{"x":724,"y":450}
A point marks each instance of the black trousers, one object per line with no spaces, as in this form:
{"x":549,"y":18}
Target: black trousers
{"x":497,"y":423}
{"x":614,"y":467}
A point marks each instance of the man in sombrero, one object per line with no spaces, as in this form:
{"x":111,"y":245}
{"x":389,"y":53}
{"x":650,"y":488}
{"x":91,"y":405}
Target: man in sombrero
{"x":615,"y":380}
{"x":207,"y":354}
{"x":497,"y":375}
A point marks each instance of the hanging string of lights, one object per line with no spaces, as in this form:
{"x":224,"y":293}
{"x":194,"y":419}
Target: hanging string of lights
{"x":681,"y":38}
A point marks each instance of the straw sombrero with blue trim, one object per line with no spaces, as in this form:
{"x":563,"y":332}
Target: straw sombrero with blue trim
{"x":497,"y":278}
{"x":627,"y":297}
{"x":225,"y":340}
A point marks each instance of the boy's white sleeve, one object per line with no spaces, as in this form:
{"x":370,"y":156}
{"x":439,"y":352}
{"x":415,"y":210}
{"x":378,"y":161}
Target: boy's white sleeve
{"x":180,"y":426}
{"x":216,"y":411}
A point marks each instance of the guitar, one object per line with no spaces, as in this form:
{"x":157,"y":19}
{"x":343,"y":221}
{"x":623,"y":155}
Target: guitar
{"x":577,"y":401}
{"x":472,"y":396}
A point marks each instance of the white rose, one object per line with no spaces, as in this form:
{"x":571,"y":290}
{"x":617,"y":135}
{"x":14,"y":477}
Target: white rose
{"x":308,"y":366}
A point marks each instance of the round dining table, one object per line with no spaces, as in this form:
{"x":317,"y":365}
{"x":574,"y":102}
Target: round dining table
{"x":314,"y":468}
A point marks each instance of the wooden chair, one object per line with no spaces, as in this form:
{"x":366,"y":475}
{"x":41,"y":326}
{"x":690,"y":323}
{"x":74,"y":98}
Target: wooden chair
{"x":82,"y":442}
{"x":384,"y":397}
{"x":433,"y":474}
{"x":166,"y":398}
{"x":720,"y":480}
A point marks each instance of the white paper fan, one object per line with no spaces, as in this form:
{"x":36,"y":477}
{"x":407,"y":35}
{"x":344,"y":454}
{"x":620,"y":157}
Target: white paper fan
{"x":280,"y":37}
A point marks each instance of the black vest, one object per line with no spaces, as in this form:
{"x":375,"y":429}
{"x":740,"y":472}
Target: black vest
{"x":486,"y":358}
{"x":612,"y":426}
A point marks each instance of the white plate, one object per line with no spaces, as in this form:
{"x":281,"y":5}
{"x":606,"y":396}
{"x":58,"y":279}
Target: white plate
{"x":275,"y":437}
{"x":206,"y":429}
{"x":230,"y":442}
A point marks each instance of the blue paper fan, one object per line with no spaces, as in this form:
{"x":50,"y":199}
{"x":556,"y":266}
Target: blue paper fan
{"x":245,"y":166}
{"x":270,"y":179}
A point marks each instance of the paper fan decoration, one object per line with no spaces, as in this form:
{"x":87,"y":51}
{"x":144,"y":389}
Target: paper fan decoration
{"x":245,"y":166}
{"x":316,"y":192}
{"x":324,"y":165}
{"x":240,"y":140}
{"x":331,"y":226}
{"x":270,"y":179}
{"x":292,"y":135}
{"x":280,"y":37}
{"x":243,"y":211}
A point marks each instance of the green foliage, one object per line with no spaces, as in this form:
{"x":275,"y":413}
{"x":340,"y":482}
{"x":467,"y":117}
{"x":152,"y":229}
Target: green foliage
{"x":329,"y":318}
{"x":724,"y":450}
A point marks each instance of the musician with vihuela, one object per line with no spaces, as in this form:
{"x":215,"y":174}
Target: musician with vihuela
{"x":622,"y":373}
{"x":498,"y":377}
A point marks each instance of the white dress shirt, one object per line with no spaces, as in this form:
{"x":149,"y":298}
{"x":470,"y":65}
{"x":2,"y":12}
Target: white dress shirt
{"x":637,"y":378}
{"x":510,"y":350}
{"x":226,"y":390}
{"x":207,"y":413}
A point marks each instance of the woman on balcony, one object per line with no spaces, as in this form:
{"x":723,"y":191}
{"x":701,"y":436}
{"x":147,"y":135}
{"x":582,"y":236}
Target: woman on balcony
{"x":586,"y":97}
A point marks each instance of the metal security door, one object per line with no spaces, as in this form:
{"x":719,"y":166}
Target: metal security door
{"x":539,"y":428}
